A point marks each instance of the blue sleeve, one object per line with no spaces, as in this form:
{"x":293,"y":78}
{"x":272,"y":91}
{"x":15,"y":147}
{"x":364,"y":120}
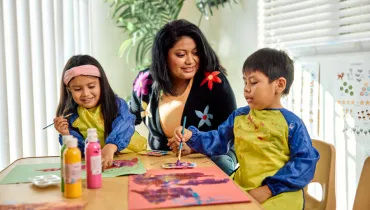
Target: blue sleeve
{"x":123,"y":127}
{"x":215,"y":142}
{"x":300,"y":168}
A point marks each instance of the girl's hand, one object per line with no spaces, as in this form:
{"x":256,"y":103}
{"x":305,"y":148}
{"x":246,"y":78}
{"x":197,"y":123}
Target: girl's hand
{"x":261,"y":194}
{"x":107,"y":154}
{"x":61,"y":125}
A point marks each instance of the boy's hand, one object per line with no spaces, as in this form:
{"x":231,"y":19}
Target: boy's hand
{"x":107,"y":154}
{"x":174,"y":142}
{"x":174,"y":145}
{"x":61,"y":125}
{"x":261,"y":194}
{"x":186,"y":150}
{"x":179,"y":136}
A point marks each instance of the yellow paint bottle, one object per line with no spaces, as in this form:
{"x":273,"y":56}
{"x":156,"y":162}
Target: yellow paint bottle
{"x":72,"y":170}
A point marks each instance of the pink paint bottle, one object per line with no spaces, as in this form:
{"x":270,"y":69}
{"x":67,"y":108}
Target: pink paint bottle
{"x":93,"y":161}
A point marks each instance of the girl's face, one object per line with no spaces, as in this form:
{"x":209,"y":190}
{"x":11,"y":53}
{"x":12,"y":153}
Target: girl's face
{"x":85,"y":91}
{"x":183,"y":59}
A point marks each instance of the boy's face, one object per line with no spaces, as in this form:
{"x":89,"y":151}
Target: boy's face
{"x":259,"y":93}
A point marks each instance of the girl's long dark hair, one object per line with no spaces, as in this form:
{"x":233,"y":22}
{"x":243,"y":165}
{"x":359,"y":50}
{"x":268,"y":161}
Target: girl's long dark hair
{"x":107,"y":99}
{"x":165,"y":39}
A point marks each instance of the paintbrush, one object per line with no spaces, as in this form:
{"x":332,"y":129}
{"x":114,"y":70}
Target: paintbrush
{"x":53,"y":123}
{"x":180,"y":147}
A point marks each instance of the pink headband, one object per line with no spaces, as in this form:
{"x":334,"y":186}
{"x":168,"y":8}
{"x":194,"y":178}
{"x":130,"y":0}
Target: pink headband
{"x":86,"y":70}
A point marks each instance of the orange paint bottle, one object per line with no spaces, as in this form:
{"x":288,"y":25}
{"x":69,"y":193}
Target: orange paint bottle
{"x":72,"y":170}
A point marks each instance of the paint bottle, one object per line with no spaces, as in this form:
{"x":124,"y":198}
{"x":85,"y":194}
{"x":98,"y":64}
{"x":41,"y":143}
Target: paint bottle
{"x":72,"y":170}
{"x":93,"y":161}
{"x":89,"y":130}
{"x":65,"y":138}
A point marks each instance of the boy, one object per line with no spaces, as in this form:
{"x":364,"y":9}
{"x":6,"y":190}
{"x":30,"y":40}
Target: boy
{"x":274,"y":150}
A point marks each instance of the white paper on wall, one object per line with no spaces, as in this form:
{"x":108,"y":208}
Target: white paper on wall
{"x":303,"y":99}
{"x":353,"y":95}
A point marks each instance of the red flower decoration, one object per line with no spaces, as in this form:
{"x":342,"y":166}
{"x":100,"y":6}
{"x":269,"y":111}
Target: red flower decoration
{"x":211,"y":77}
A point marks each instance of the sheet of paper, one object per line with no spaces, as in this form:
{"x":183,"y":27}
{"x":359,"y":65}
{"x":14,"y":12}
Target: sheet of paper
{"x":183,"y":187}
{"x":21,"y":173}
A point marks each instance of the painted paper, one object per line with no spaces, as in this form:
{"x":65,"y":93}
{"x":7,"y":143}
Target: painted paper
{"x":200,"y":186}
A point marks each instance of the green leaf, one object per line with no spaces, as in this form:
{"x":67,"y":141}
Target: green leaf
{"x":124,"y":46}
{"x":133,"y":9}
{"x":130,"y":26}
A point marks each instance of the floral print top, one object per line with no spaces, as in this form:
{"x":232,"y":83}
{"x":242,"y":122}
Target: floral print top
{"x":211,"y":100}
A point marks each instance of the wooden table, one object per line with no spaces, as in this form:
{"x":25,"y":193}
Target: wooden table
{"x":113,"y":194}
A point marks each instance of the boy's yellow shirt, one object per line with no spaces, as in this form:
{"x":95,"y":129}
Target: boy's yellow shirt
{"x":262,"y":148}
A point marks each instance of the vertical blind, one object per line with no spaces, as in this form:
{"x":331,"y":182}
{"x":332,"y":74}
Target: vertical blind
{"x":304,"y":23}
{"x":36,"y":39}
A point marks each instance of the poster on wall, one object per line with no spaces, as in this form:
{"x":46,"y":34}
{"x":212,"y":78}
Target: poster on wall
{"x":352,"y":92}
{"x":303,"y":99}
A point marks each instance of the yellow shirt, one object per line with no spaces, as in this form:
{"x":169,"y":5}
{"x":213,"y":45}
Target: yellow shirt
{"x":93,"y":118}
{"x":259,"y":158}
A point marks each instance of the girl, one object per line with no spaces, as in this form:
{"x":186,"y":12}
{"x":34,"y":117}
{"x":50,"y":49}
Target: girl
{"x":86,"y":93}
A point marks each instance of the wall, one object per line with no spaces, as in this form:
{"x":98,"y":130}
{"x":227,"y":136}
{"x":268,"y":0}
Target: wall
{"x":106,"y":40}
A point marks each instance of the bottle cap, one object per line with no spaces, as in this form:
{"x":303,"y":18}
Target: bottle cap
{"x":92,"y":137}
{"x":72,"y":143}
{"x":66,"y":138}
{"x":91,"y":130}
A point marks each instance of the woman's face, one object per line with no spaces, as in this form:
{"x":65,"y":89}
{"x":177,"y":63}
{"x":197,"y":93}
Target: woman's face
{"x":183,"y":59}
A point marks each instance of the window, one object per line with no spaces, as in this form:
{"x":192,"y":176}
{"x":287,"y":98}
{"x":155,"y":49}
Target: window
{"x":299,"y":25}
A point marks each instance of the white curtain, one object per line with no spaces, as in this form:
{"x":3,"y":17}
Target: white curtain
{"x":37,"y":37}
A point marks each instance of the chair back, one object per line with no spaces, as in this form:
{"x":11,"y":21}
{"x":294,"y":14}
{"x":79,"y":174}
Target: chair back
{"x":325,"y":176}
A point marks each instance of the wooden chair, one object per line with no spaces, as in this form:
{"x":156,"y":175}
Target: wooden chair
{"x":325,"y":176}
{"x":362,"y":198}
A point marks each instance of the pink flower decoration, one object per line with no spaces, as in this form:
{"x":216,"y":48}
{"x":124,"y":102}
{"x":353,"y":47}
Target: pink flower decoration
{"x":141,"y":84}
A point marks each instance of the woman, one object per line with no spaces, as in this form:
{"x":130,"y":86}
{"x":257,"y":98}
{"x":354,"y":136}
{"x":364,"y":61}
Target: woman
{"x":185,"y":79}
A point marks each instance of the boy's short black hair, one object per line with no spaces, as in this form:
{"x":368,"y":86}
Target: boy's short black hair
{"x":272,"y":63}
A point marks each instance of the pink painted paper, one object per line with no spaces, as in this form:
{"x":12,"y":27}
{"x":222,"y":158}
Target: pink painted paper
{"x":182,"y":187}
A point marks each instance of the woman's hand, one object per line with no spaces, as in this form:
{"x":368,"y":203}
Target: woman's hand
{"x":61,"y":125}
{"x":261,"y":194}
{"x":107,"y":155}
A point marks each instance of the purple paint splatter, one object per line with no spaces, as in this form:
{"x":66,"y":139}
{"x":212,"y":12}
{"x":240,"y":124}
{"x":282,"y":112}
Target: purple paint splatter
{"x":164,"y":193}
{"x":206,"y":181}
{"x":165,"y":179}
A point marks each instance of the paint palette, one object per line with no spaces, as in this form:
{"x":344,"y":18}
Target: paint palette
{"x":156,"y":153}
{"x":44,"y":181}
{"x":181,"y":165}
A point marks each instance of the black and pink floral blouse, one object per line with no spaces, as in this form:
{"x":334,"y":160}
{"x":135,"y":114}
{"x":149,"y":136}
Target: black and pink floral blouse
{"x":211,"y":100}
